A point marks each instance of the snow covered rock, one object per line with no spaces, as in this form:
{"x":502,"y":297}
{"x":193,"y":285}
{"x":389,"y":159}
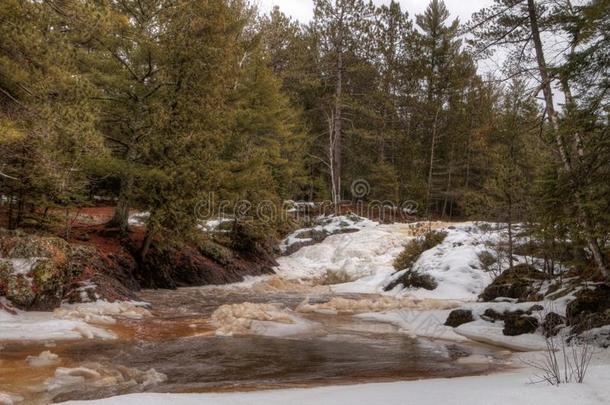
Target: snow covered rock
{"x":33,"y":269}
{"x":326,"y":226}
{"x":521,"y":282}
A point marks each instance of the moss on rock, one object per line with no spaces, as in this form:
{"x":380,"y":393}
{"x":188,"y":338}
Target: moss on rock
{"x":521,"y":282}
{"x":459,"y":317}
{"x":590,"y":309}
{"x":516,"y":325}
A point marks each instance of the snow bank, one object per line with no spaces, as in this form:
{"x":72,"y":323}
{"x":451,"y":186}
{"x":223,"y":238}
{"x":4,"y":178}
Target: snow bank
{"x":69,"y":322}
{"x":362,"y":262}
{"x":454,"y":264}
{"x":43,"y":326}
{"x":366,"y":255}
{"x":102,"y":312}
{"x":138,"y":218}
{"x":498,"y":389}
{"x":258,"y":319}
{"x":328,"y":225}
{"x":417,"y":323}
{"x":491,"y":333}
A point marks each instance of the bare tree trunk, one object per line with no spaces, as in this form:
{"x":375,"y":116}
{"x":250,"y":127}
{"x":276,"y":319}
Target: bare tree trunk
{"x":11,"y":222}
{"x":121,"y":212}
{"x":337,"y":129}
{"x":510,"y":232}
{"x":432,"y":156}
{"x":332,"y":161}
{"x":584,"y":218}
{"x":20,"y":206}
{"x":148,"y":239}
{"x":448,"y":190}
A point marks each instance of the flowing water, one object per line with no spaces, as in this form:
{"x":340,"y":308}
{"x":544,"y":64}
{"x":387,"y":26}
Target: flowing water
{"x":179,"y":342}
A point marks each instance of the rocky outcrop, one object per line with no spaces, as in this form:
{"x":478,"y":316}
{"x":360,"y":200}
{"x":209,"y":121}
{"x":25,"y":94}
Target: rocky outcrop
{"x":459,"y":317}
{"x":39,"y":272}
{"x":515,"y":325}
{"x":521,"y":282}
{"x":552,"y":324}
{"x":33,"y":269}
{"x":171,"y":267}
{"x":590,"y":309}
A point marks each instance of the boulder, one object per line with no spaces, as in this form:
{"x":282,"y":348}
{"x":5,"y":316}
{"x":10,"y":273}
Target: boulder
{"x":492,"y":315}
{"x":590,"y":309}
{"x":413,"y":279}
{"x":39,"y":272}
{"x":521,"y":282}
{"x":459,"y":317}
{"x":552,"y":324}
{"x":34,"y":270}
{"x":515,"y":325}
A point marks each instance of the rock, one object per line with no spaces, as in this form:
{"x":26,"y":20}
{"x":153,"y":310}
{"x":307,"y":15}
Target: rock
{"x":414,"y":279}
{"x":19,"y":291}
{"x":521,"y":282}
{"x":590,"y":309}
{"x":35,"y":270}
{"x":535,"y":308}
{"x":551,"y":324}
{"x":492,"y":315}
{"x":459,"y":317}
{"x":312,"y":237}
{"x":169,"y":267}
{"x":515,"y":325}
{"x":38,"y":272}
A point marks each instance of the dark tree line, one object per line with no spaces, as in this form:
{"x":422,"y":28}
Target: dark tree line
{"x":158,"y":102}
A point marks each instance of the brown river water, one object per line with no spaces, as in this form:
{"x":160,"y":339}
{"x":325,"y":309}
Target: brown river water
{"x":179,"y":342}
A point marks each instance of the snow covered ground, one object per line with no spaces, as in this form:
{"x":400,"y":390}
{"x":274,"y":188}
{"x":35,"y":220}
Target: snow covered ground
{"x":497,"y":389}
{"x":69,"y":322}
{"x":364,"y":260}
{"x":360,"y":262}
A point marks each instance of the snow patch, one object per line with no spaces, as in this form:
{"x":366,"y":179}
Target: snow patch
{"x":491,"y":333}
{"x":499,"y":389}
{"x":103,"y":312}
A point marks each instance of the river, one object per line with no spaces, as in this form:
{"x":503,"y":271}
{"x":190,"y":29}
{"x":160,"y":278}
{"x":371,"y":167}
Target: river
{"x":179,"y":341}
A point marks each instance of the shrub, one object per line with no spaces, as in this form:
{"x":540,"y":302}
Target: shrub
{"x":416,"y":247}
{"x":434,"y":238}
{"x":409,"y":255}
{"x":414,"y":279}
{"x":487,"y":259}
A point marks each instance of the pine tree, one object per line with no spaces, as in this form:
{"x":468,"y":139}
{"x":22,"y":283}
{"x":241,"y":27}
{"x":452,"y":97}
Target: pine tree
{"x":47,"y":119}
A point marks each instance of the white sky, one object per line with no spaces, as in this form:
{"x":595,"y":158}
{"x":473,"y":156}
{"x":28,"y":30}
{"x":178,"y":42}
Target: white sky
{"x":302,"y":10}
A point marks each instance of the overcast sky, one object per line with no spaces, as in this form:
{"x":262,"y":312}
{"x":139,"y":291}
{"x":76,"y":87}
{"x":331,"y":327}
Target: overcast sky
{"x":303,"y":9}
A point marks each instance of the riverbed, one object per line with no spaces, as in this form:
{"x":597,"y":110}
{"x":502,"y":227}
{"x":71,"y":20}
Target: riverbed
{"x":177,"y":350}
